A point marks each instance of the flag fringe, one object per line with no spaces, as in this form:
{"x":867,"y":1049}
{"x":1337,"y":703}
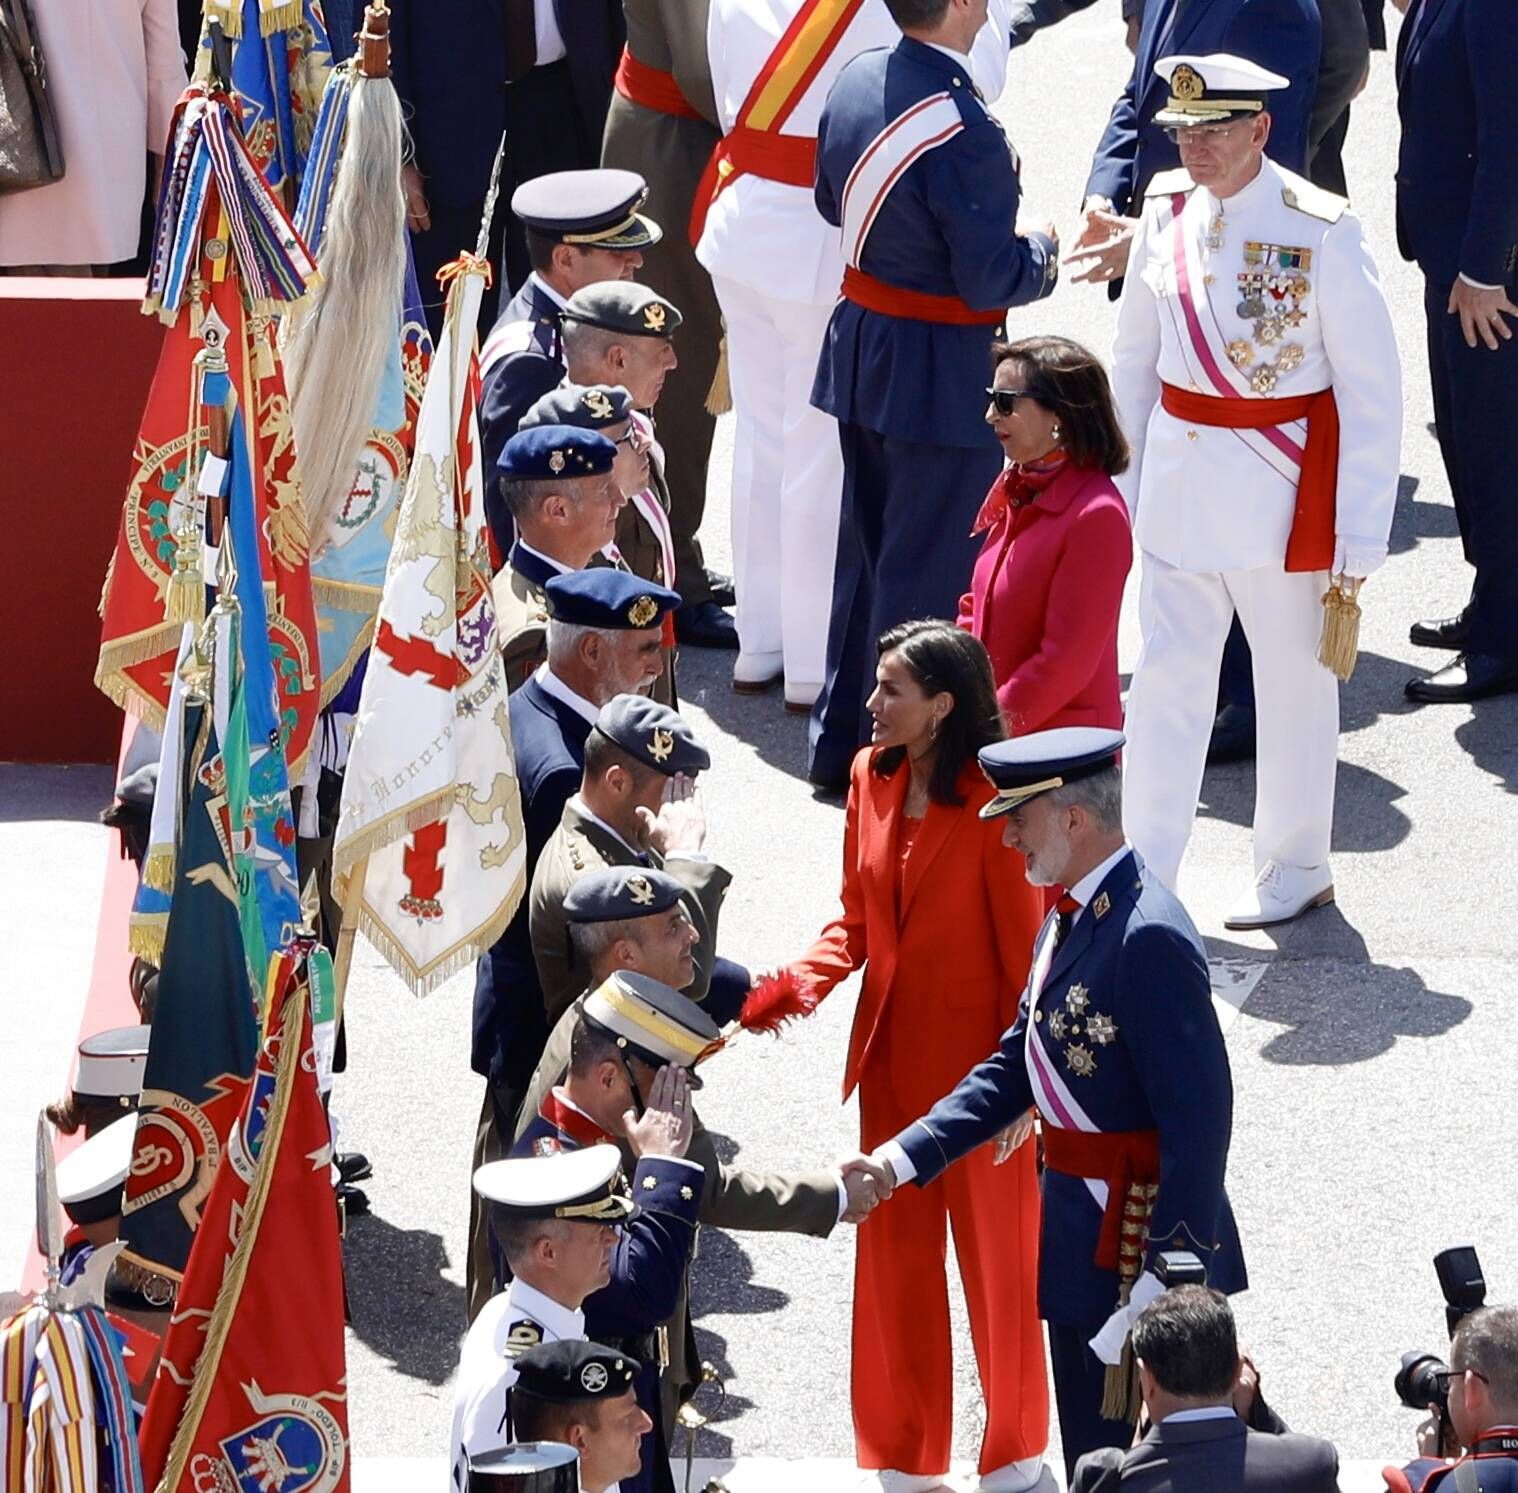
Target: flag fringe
{"x":158,"y":868}
{"x":219,"y":1325}
{"x":145,"y":937}
{"x":333,"y":683}
{"x":124,"y":695}
{"x":424,"y":982}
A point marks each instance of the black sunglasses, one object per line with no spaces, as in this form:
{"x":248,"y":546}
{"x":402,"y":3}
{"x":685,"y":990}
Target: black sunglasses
{"x":1005,"y":400}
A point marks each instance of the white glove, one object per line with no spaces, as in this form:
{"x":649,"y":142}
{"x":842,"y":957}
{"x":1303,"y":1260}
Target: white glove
{"x":1108,"y":1343}
{"x":1358,"y":557}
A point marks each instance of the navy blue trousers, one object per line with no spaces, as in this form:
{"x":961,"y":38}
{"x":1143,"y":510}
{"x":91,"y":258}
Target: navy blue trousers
{"x":1078,"y":1381}
{"x":1476,"y":417}
{"x":904,"y":552}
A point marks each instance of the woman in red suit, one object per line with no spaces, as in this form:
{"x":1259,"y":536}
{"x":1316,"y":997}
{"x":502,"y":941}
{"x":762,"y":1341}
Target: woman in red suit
{"x":1048,"y":583}
{"x":941,"y":920}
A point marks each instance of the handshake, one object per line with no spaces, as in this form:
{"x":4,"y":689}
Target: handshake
{"x":868,"y":1181}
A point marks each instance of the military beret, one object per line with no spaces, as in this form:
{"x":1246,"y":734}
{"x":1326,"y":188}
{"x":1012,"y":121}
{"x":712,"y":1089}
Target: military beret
{"x":623,"y":306}
{"x":653,"y":733}
{"x":549,"y":451}
{"x":603,"y":597}
{"x":589,"y":408}
{"x":570,"y":1372}
{"x":619,"y":892}
{"x":649,"y":1017}
{"x":579,"y":1184}
{"x":1026,"y":766}
{"x":597,"y":208}
{"x":91,"y":1176}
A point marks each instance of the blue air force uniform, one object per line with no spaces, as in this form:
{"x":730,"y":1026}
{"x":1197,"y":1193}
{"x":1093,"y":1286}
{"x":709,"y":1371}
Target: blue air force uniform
{"x":1118,"y":1045}
{"x":938,"y":248}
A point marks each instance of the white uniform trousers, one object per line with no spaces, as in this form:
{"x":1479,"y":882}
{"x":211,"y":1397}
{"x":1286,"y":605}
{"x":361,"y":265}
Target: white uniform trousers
{"x":787,"y":485}
{"x":1184,"y":616}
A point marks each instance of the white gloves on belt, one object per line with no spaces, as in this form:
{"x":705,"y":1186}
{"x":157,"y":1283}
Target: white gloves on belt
{"x":1108,"y":1343}
{"x":1358,"y":557}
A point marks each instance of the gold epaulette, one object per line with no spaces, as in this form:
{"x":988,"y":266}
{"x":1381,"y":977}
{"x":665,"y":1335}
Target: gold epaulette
{"x":1168,"y":183}
{"x":1316,"y":202}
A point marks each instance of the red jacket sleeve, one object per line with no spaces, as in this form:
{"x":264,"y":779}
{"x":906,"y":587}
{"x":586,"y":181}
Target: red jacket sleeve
{"x":840,"y":948}
{"x":1017,"y":910}
{"x":1085,"y":596}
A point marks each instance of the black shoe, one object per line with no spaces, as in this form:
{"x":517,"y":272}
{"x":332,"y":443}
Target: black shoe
{"x":706,"y":626}
{"x":353,"y":1166}
{"x":1232,"y":735}
{"x":1446,"y":632}
{"x":354,"y":1201}
{"x":1468,"y":676}
{"x":721,"y":587}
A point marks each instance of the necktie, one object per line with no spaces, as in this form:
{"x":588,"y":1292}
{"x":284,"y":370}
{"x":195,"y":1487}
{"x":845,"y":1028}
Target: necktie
{"x":521,"y":39}
{"x":1064,"y":915}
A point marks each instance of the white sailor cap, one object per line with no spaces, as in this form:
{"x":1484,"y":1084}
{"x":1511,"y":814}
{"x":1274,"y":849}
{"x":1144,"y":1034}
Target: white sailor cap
{"x":580,"y":1184}
{"x":111,"y":1064}
{"x":91,"y":1176}
{"x":651,"y":1019}
{"x":1215,"y":88}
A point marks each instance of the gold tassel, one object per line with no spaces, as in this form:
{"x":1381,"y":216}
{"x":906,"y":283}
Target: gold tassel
{"x":186,"y":601}
{"x":719,"y":398}
{"x":1120,"y":1386}
{"x":1339,"y":646}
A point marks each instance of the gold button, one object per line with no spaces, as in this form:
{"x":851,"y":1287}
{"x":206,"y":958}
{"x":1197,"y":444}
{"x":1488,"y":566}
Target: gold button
{"x":1191,"y":435}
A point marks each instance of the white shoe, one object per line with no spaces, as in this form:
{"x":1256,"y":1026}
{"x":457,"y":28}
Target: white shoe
{"x":888,"y":1480}
{"x":754,"y":673}
{"x":1014,"y":1477}
{"x":1281,"y":893}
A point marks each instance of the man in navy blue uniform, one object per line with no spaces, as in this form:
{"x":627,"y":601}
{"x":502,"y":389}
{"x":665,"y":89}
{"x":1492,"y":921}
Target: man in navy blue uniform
{"x":1457,"y":217}
{"x":933,"y":260}
{"x":1118,"y":1046}
{"x":605,"y":633}
{"x":582,"y":227}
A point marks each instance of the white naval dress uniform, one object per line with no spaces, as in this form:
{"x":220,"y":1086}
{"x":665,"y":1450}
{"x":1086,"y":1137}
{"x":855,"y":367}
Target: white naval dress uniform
{"x":517,"y":1319}
{"x":1213,"y":507}
{"x":776,"y":267}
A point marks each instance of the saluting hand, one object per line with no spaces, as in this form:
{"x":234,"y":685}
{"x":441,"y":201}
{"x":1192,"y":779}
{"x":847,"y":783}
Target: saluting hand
{"x":1481,"y":313}
{"x":665,"y":1126}
{"x":679,"y":828}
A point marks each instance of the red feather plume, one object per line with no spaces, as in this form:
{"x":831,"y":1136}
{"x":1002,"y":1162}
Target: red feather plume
{"x":776,"y":1000}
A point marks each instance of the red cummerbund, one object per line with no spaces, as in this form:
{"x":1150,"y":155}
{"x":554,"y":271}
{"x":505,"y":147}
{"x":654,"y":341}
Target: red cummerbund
{"x":654,"y":90}
{"x":914,"y":305}
{"x":1120,"y":1158}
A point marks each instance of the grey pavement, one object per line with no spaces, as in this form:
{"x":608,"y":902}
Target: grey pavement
{"x":1373,"y":1055}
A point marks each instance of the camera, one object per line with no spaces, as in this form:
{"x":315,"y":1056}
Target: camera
{"x":1423,"y":1379}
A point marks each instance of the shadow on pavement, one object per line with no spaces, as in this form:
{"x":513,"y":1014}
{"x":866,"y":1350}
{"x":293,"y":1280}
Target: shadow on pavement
{"x":401,"y":1305}
{"x":1366,"y":816}
{"x":1490,"y":737}
{"x":1413,"y":521}
{"x":1334,"y":1004}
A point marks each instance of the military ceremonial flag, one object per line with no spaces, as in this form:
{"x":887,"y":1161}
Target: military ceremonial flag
{"x":251,"y":1391}
{"x":429,"y":839}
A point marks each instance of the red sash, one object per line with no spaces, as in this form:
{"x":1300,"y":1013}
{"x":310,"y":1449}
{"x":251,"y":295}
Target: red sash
{"x":1121,"y":1159}
{"x":1311,"y":544}
{"x":915,"y":305}
{"x":653,"y":89}
{"x":755,"y":146}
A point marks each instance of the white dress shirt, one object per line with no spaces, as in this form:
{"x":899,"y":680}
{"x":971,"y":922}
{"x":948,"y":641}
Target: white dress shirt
{"x":551,"y":684}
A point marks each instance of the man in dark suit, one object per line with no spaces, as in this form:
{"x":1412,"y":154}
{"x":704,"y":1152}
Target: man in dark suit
{"x":1188,"y":1363}
{"x":1117,"y":1044}
{"x":468,"y":71}
{"x":1457,"y":217}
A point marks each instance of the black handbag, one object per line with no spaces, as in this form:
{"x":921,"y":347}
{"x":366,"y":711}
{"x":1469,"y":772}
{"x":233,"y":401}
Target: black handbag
{"x":31,"y":153}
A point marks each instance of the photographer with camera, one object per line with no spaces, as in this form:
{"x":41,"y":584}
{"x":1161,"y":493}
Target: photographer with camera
{"x":1192,"y":1379}
{"x":1475,"y":1409}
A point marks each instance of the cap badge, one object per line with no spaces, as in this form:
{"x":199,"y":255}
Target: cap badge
{"x":1186,"y":83}
{"x":556,"y":463}
{"x":593,"y":1378}
{"x":639,"y":890}
{"x":653,"y":316}
{"x":662,"y":744}
{"x":598,"y":404}
{"x":643,"y":611}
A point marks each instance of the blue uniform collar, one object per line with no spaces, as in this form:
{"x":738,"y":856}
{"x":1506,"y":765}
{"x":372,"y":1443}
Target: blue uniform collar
{"x":538,"y":569}
{"x":933,"y":57}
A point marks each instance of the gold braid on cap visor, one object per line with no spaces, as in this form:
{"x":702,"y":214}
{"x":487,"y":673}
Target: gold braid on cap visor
{"x":610,"y":1209}
{"x":674,"y":1036}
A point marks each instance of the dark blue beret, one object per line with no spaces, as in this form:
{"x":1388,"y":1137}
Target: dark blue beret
{"x":624,"y":306}
{"x":1026,"y":766}
{"x":596,"y":209}
{"x":606,"y":598}
{"x":615,"y":893}
{"x":569,"y":1372}
{"x":591,"y":407}
{"x":653,"y":733}
{"x":548,"y":451}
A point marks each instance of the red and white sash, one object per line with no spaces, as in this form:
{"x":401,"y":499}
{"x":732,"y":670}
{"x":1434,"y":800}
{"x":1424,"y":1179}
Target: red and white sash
{"x":925,"y":126}
{"x":648,"y":505}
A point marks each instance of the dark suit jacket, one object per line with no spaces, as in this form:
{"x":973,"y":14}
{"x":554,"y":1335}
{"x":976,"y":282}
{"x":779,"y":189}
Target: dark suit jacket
{"x":1211,"y":1456}
{"x":1457,"y":185}
{"x":1282,"y":35}
{"x":449,"y":61}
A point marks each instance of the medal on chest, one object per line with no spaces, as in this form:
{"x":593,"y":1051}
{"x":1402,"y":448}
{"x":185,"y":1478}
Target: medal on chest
{"x":1273,"y":286}
{"x":1079,"y":1030}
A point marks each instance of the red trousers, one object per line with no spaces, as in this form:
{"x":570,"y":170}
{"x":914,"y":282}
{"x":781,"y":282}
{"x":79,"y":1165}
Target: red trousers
{"x":902,"y":1357}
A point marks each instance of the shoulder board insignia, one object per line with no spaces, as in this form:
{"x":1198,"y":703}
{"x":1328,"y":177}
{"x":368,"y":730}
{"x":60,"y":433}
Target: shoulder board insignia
{"x":1316,"y":202}
{"x":521,"y":1336}
{"x":1168,"y":183}
{"x":575,"y":858}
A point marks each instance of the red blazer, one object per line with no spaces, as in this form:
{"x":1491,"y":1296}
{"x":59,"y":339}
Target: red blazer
{"x":942,"y":973}
{"x":1044,"y":599}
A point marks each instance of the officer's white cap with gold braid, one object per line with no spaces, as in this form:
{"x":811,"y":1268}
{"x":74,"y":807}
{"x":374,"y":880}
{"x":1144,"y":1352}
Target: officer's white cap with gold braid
{"x":1214,"y":89}
{"x":578,"y":1184}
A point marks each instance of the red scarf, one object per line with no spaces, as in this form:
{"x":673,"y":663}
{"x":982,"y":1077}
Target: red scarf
{"x":1017,"y":485}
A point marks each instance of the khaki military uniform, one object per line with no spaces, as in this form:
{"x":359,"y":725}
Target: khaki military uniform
{"x":521,"y":612}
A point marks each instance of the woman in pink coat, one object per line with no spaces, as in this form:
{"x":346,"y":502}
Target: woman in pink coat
{"x":115,"y":72}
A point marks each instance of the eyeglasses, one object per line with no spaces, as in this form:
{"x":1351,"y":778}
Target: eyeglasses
{"x":1444,"y":1376}
{"x":1208,"y":134}
{"x":1005,"y":400}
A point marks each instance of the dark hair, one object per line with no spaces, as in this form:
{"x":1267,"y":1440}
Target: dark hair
{"x":517,"y":1235}
{"x":590,"y":1046}
{"x":536,"y":1419}
{"x":944,"y":659}
{"x":1186,"y":1338}
{"x":913,"y":15}
{"x":1487,"y":1341}
{"x":1071,"y":383}
{"x":602,"y":752}
{"x":540,"y":250}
